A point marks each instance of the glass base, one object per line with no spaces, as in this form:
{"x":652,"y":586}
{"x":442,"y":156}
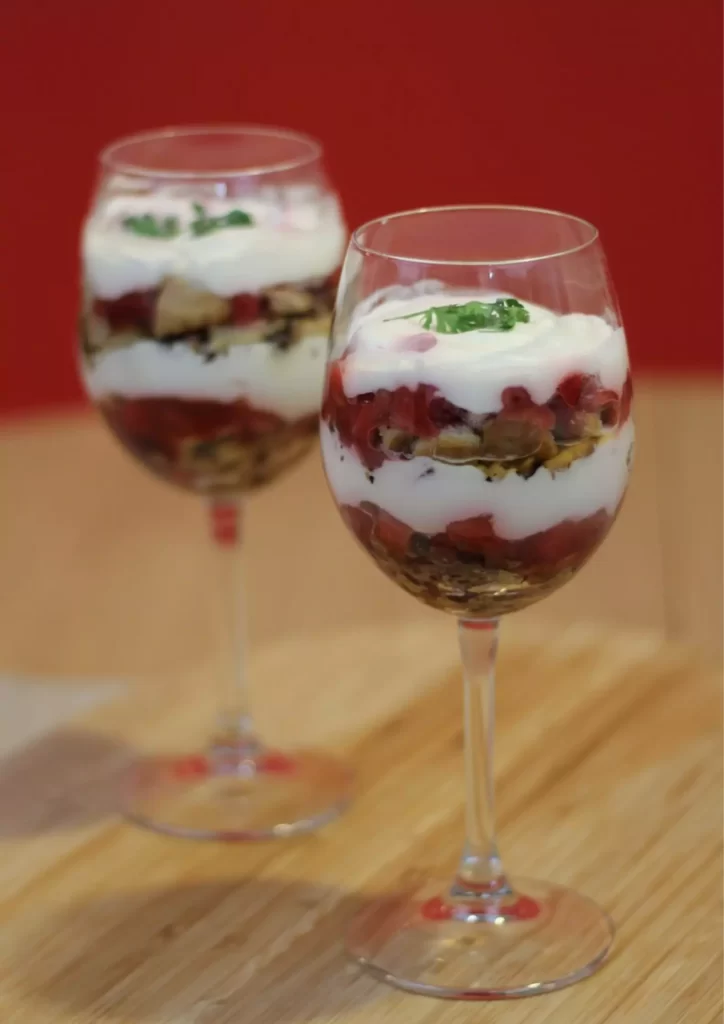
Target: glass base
{"x":268,"y":796}
{"x":538,"y":939}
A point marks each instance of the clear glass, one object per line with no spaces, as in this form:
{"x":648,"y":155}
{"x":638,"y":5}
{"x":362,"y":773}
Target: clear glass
{"x":477,"y":437}
{"x":210,"y":264}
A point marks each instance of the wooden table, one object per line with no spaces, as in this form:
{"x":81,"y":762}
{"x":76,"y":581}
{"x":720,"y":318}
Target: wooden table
{"x":609,"y":754}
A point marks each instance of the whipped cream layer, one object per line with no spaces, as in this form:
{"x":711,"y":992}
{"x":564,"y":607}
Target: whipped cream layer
{"x":472,"y":369}
{"x":427,"y":495}
{"x":295,"y":236}
{"x":288,"y":383}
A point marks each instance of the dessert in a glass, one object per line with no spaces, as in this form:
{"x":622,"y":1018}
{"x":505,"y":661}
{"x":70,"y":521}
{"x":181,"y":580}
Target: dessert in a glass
{"x":210,"y":261}
{"x":477,"y":438}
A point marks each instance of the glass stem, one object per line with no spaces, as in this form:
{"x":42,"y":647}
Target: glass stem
{"x":234,"y":736}
{"x":480,"y":871}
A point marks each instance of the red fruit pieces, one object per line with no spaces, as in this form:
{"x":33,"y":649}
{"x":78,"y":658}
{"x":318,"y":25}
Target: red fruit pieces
{"x":626,"y":399}
{"x":518,"y":405}
{"x":570,"y":422}
{"x":568,"y":543}
{"x":425,"y":425}
{"x":135,"y":309}
{"x":416,"y":343}
{"x":516,"y":398}
{"x":474,"y":534}
{"x":403,"y":411}
{"x":334,"y":396}
{"x":572,"y":387}
{"x":581,"y":391}
{"x":252,"y":423}
{"x":359,"y":521}
{"x":245,"y":309}
{"x":442,"y":413}
{"x":393,"y":535}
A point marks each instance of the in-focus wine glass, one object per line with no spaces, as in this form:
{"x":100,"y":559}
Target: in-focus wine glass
{"x":210,"y":263}
{"x":476,"y":436}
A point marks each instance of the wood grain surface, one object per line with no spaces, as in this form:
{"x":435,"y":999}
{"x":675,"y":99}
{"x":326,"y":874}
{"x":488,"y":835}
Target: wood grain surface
{"x":609,"y":754}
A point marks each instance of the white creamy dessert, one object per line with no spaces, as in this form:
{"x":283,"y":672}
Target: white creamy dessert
{"x":286,"y":383}
{"x":293,"y":237}
{"x":472,"y":369}
{"x":296,"y":236}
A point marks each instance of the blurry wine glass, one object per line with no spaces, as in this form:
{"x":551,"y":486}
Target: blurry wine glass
{"x":210,"y":262}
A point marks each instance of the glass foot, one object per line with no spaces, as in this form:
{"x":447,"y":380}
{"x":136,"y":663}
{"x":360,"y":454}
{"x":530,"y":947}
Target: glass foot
{"x":538,"y":939}
{"x":269,"y":796}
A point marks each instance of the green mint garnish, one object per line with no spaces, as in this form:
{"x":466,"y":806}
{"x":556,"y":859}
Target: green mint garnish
{"x":152,"y":227}
{"x":501,"y":315}
{"x":204,"y":225}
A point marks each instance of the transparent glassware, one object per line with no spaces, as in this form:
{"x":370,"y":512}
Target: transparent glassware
{"x":210,"y":262}
{"x":477,"y":436}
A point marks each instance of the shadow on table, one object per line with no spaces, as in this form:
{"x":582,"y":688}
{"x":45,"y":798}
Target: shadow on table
{"x":67,"y":779}
{"x":249,"y":950}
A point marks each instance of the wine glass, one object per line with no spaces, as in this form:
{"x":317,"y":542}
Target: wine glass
{"x":476,"y":437}
{"x":210,"y":261}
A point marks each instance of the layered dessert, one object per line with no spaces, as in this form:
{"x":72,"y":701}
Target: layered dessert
{"x":205,"y":325}
{"x":478,"y":446}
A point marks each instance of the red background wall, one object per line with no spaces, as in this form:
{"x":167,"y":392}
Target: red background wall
{"x":610,"y":109}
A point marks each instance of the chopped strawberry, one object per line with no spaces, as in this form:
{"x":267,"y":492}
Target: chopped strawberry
{"x":334,"y":396}
{"x":609,"y":413}
{"x":594,"y":397}
{"x":626,"y":399}
{"x":359,"y":521}
{"x":136,"y":417}
{"x":570,"y":422}
{"x":518,"y":405}
{"x":567,"y":543}
{"x":402,"y":413}
{"x":472,"y":534}
{"x":135,"y":309}
{"x":416,"y":343}
{"x":572,"y":387}
{"x":516,"y":398}
{"x":393,"y":535}
{"x":245,"y":309}
{"x":258,"y":422}
{"x":443,"y":413}
{"x":425,"y":426}
{"x":383,"y":402}
{"x":335,"y":384}
{"x":537,"y":415}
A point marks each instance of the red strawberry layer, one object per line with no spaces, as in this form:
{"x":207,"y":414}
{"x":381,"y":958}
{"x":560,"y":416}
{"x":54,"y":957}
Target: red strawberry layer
{"x":136,"y":310}
{"x":567,"y":545}
{"x":163,"y":424}
{"x":423,"y":413}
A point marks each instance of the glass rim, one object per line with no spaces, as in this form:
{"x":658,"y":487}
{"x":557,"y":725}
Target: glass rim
{"x":109,"y":161}
{"x":462,"y":207}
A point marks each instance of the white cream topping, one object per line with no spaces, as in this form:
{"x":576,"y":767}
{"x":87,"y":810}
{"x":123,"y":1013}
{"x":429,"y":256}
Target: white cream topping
{"x":288,"y":383}
{"x":295,"y":236}
{"x":428,"y":501}
{"x":472,"y":369}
